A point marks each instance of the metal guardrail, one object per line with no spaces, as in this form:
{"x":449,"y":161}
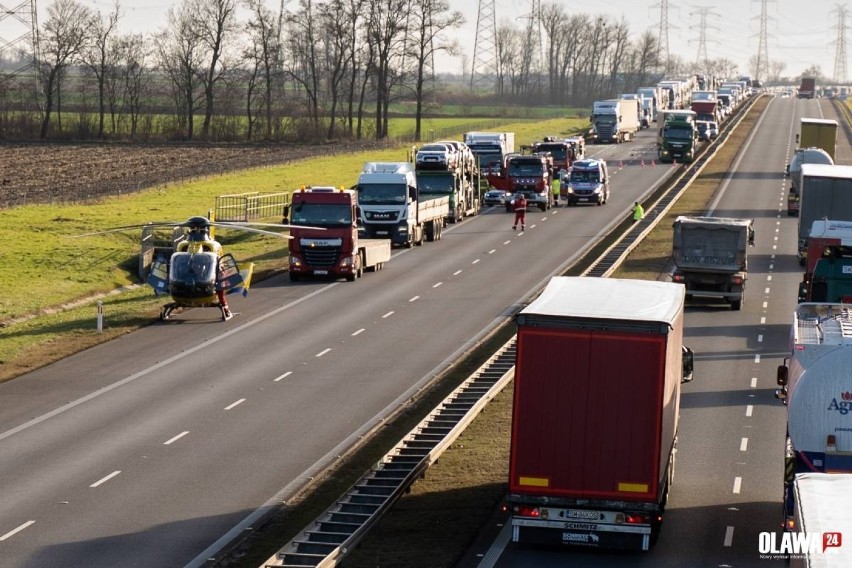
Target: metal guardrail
{"x":244,"y":207}
{"x":326,"y":541}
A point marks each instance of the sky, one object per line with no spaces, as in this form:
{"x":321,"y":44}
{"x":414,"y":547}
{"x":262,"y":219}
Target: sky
{"x":800,"y":33}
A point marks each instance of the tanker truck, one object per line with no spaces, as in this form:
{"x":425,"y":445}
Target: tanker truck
{"x":815,"y":386}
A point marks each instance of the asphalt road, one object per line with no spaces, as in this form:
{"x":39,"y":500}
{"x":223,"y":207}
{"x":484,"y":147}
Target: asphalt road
{"x":154,"y":449}
{"x":728,"y":481}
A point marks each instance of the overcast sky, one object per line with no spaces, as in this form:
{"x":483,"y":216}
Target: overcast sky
{"x":800,"y":32}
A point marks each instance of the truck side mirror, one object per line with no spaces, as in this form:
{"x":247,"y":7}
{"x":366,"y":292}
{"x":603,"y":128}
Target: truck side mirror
{"x":688,"y":364}
{"x":797,"y":138}
{"x":783,"y":373}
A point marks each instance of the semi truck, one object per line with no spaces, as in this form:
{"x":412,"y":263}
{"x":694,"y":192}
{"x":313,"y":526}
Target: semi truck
{"x":650,"y":105}
{"x":818,"y":133}
{"x":823,"y":502}
{"x":710,"y":256}
{"x":529,"y":175}
{"x":489,"y":148}
{"x":706,"y":106}
{"x":677,"y":137}
{"x":391,"y":206}
{"x":826,"y":193}
{"x":335,"y":249}
{"x":615,"y":120}
{"x":794,"y":172}
{"x":453,"y":180}
{"x":598,"y":372}
{"x":562,"y":151}
{"x":814,"y":385}
{"x":828,"y":267}
{"x":807,"y":88}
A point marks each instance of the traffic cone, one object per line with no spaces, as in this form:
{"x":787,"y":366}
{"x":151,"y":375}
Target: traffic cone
{"x":643,"y":163}
{"x":621,"y":163}
{"x":674,"y":163}
{"x":653,"y":163}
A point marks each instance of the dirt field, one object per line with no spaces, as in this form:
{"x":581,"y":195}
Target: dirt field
{"x":62,"y":173}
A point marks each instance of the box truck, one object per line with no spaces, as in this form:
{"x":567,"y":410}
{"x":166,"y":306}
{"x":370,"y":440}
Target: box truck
{"x":819,"y":133}
{"x":598,"y":371}
{"x":825,"y":193}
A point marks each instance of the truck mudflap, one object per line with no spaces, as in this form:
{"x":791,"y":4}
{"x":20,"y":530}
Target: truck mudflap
{"x":577,"y":533}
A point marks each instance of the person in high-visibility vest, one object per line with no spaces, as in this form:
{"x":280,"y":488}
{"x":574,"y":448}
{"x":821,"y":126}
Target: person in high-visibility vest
{"x":638,"y":212}
{"x":555,"y":187}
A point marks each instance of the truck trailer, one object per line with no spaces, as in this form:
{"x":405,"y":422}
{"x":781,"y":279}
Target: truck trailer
{"x":335,"y":249}
{"x":598,"y":370}
{"x":819,"y":133}
{"x":823,"y":502}
{"x":814,"y":383}
{"x":391,"y":207}
{"x":828,"y":266}
{"x":453,"y":180}
{"x":807,"y":88}
{"x":615,"y":120}
{"x":825,"y":193}
{"x":710,"y":256}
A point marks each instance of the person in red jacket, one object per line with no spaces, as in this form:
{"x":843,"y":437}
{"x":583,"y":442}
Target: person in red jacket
{"x":520,"y":212}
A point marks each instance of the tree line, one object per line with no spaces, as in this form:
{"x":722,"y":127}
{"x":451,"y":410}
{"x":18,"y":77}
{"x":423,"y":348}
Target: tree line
{"x":236,"y":70}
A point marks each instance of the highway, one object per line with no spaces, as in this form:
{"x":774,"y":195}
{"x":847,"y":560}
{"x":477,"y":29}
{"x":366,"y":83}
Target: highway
{"x":728,"y":476}
{"x":157,"y":448}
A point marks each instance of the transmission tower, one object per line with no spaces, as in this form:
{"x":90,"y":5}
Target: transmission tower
{"x":535,"y":29}
{"x":19,"y":45}
{"x":485,"y":65}
{"x":762,"y":63}
{"x":663,"y":36}
{"x":703,"y":12}
{"x":840,"y":46}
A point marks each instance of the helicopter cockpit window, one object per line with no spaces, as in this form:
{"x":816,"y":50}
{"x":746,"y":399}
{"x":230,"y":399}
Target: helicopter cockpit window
{"x":193,"y":267}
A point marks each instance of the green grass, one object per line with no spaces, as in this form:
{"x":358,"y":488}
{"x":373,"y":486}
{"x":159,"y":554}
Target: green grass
{"x":43,"y":267}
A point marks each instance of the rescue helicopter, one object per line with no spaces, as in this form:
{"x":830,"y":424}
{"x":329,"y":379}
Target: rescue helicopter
{"x":198,"y":274}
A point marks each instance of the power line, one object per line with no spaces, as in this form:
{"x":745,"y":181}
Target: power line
{"x":22,"y":46}
{"x":840,"y":45}
{"x":485,"y":62}
{"x":762,"y":63}
{"x":703,"y":12}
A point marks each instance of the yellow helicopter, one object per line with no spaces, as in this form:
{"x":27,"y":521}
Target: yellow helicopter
{"x":198,"y":274}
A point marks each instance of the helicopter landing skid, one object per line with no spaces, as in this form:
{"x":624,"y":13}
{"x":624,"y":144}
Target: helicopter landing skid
{"x":167,"y":310}
{"x":226,"y":313}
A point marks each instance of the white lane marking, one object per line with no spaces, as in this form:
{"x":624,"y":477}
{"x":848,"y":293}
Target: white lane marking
{"x":729,"y":536}
{"x":387,"y":315}
{"x":414,"y":299}
{"x":757,"y":358}
{"x":288,"y":373}
{"x":323,"y":352}
{"x":506,"y":242}
{"x":769,"y":278}
{"x":749,"y":410}
{"x":744,"y":445}
{"x":174,"y":439}
{"x":162,"y":364}
{"x":771,"y":266}
{"x":15,"y":531}
{"x":765,"y":305}
{"x":738,"y":483}
{"x":754,"y":382}
{"x":759,"y":338}
{"x":457,"y":272}
{"x":105,"y":479}
{"x":235,"y":403}
{"x":492,"y":251}
{"x":358,"y":332}
{"x":475,"y":261}
{"x":532,"y":226}
{"x":766,"y":290}
{"x":763,"y":320}
{"x":772,"y":257}
{"x":774,"y":247}
{"x":435,"y":285}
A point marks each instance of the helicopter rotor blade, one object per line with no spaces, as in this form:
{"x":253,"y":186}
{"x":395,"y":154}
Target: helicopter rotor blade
{"x":240,"y":224}
{"x":130,"y":227}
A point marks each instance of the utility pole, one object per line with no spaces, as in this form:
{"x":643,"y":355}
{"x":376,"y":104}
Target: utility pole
{"x":485,"y":64}
{"x":840,"y":45}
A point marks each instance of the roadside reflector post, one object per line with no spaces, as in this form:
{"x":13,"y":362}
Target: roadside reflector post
{"x":100,"y":316}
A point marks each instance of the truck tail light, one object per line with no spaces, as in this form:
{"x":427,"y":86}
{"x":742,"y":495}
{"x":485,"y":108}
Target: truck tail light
{"x":527,"y":511}
{"x":790,"y":524}
{"x":737,"y":279}
{"x":636,"y":519}
{"x":678,"y":277}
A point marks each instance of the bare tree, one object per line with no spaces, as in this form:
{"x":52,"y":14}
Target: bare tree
{"x":99,"y":55}
{"x":63,"y":38}
{"x":262,"y":54}
{"x":357,"y":63}
{"x":302,"y":64}
{"x":430,"y":19}
{"x":180,"y":55}
{"x":214,"y":21}
{"x":335,"y":21}
{"x":134,"y":59}
{"x":386,"y":32}
{"x":508,"y":57}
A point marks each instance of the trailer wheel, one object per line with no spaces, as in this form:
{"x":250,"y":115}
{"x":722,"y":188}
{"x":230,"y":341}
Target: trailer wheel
{"x":439,"y":230}
{"x":430,"y":231}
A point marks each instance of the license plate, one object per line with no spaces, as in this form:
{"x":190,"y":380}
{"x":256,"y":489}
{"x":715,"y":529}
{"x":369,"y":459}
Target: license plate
{"x":582,"y":199}
{"x":320,"y":272}
{"x":381,"y":232}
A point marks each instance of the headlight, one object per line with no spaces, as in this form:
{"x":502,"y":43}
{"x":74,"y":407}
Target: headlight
{"x":295,"y":261}
{"x":570,"y":189}
{"x":347,"y":261}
